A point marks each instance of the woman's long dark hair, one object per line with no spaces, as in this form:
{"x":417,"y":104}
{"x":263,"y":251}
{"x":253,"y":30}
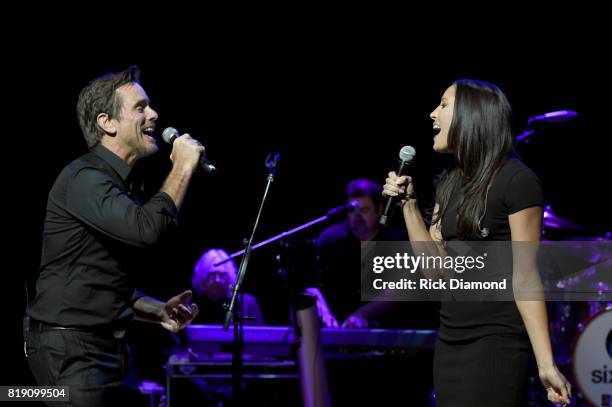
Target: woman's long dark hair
{"x":480,"y":139}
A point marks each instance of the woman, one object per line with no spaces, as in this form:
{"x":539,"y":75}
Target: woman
{"x":482,"y":352}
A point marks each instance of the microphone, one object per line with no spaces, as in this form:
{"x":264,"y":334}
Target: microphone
{"x":170,"y":134}
{"x":343,"y":209}
{"x":406,"y":155}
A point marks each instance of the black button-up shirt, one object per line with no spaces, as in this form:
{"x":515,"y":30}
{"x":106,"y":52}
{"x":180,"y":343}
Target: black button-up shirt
{"x":93,"y":230}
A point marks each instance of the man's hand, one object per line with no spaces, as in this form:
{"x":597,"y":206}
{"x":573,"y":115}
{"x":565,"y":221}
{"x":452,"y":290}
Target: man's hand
{"x":355,"y":321}
{"x":186,"y":152}
{"x":178,"y":313}
{"x":328,"y":319}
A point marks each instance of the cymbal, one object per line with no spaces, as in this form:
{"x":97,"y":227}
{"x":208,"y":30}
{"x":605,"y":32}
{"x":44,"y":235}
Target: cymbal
{"x":587,"y":239}
{"x":575,"y":253}
{"x":553,"y":221}
{"x":595,"y":279}
{"x":591,"y":284}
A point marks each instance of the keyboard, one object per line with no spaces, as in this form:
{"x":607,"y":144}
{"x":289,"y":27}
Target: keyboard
{"x":280,"y":341}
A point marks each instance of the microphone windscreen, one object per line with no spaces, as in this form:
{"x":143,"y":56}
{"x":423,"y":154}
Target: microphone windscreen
{"x":169,"y":133}
{"x":407,"y":153}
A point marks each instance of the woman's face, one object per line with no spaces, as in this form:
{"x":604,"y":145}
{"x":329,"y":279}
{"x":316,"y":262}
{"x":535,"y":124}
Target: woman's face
{"x":442,"y":118}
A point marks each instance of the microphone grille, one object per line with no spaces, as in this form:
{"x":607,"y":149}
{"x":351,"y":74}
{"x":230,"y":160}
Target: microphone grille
{"x":168,"y":133}
{"x":407,"y":153}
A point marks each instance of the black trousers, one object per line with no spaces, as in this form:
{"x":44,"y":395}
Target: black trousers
{"x":94,"y":365}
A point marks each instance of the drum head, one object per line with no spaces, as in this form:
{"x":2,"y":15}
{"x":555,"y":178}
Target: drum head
{"x":592,"y":359}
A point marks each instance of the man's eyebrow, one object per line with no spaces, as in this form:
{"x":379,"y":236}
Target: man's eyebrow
{"x":142,"y":102}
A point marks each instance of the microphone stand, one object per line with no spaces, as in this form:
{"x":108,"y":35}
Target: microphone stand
{"x":314,"y":382}
{"x":524,"y":136}
{"x":330,"y":214}
{"x":315,"y":391}
{"x":271,"y":162}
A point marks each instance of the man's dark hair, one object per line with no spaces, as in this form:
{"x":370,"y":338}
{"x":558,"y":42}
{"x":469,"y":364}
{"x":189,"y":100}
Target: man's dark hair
{"x":100,"y":96}
{"x":363,"y":187}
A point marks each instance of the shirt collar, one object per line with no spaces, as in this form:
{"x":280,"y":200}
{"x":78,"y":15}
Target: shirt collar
{"x":120,"y":166}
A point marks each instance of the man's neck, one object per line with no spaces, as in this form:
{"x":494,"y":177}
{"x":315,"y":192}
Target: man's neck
{"x":129,"y":157}
{"x":367,"y":235}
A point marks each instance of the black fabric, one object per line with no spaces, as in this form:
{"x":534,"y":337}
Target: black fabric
{"x":515,"y":188}
{"x":481,"y":356}
{"x":489,"y":371}
{"x":339,"y":265}
{"x":94,"y":227}
{"x":95,"y":366}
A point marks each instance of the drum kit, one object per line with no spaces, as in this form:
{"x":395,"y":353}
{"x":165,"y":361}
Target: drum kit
{"x":580,"y":270}
{"x":578,"y":273}
{"x":581,"y":331}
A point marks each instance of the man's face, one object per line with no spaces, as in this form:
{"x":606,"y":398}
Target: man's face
{"x":363,"y":221}
{"x":136,"y":122}
{"x":215,"y":284}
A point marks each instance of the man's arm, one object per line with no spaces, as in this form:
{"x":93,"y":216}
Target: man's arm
{"x":185,"y":156}
{"x":98,"y":201}
{"x":328,"y":319}
{"x":363,"y":315}
{"x":95,"y":198}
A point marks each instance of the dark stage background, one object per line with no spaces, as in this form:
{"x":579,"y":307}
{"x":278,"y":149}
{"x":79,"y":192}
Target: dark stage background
{"x":334,"y":114}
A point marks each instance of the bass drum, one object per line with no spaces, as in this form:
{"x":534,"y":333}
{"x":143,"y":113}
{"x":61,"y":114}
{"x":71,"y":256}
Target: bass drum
{"x":592,"y":359}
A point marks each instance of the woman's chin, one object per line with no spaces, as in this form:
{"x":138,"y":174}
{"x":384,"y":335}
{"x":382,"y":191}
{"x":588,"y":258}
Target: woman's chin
{"x":439,"y":147}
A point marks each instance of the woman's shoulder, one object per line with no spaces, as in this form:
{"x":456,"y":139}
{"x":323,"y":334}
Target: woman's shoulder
{"x":512,"y":168}
{"x":518,"y":186}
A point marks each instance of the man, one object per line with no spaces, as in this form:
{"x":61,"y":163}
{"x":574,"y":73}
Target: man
{"x":212,"y":284}
{"x":339,"y":254}
{"x":93,"y":231}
